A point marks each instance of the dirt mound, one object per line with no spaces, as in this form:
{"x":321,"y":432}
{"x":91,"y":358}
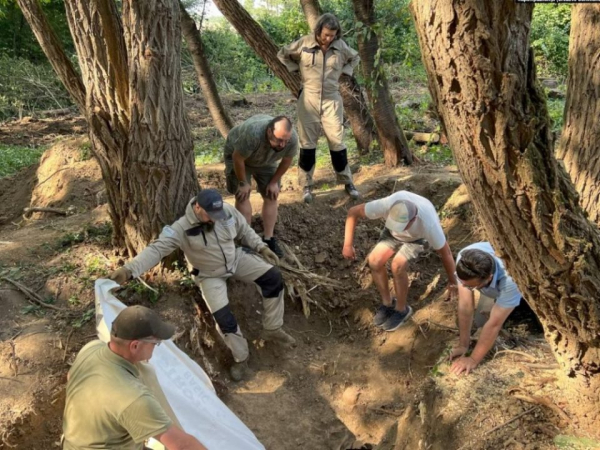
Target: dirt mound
{"x":35,"y":132}
{"x":67,"y":177}
{"x":15,"y":193}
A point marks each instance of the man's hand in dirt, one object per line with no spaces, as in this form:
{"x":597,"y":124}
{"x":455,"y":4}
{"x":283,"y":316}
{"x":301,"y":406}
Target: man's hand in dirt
{"x":349,"y":252}
{"x":243,"y":192}
{"x":272,"y":191}
{"x":269,"y":256}
{"x":457,"y":350}
{"x":452,"y":290}
{"x":121,"y":275}
{"x":464,"y":364}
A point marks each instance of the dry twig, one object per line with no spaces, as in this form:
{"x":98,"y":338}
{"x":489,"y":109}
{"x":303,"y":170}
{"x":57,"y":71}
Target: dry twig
{"x":516,"y":352}
{"x":28,"y":211}
{"x":67,"y":344}
{"x":544,"y":401}
{"x":32,"y":295}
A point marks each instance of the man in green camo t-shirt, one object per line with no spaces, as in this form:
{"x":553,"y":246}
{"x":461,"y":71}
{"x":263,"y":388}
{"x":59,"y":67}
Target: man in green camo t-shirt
{"x":262,"y":147}
{"x":107,"y":405}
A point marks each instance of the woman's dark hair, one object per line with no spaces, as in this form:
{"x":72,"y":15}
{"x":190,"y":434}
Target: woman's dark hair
{"x":474,"y":264}
{"x":329,"y":21}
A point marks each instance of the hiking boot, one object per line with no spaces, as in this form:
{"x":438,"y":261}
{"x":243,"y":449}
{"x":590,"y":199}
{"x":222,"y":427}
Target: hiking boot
{"x":383,"y":313}
{"x":279,"y":336}
{"x":352,"y":191}
{"x":274,"y":246}
{"x":397,"y":319}
{"x":307,"y":195}
{"x":237,"y":371}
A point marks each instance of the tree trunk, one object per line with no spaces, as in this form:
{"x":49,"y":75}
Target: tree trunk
{"x":355,"y":106}
{"x":391,"y":138}
{"x":50,"y":44}
{"x":258,"y":40}
{"x":579,"y":145}
{"x":482,"y":78}
{"x":205,"y":78}
{"x":134,"y":109}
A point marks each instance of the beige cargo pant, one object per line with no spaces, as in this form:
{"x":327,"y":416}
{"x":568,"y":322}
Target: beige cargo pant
{"x":315,"y":114}
{"x":248,"y":267}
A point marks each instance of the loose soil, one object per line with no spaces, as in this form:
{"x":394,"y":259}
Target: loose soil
{"x":346,"y":384}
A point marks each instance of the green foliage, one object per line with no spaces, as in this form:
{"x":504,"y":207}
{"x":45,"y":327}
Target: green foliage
{"x":439,"y":154}
{"x":85,"y":318}
{"x":556,"y":108}
{"x":565,"y":442}
{"x":26,"y":87}
{"x":17,"y":39}
{"x":14,"y":158}
{"x":550,"y":28}
{"x":100,"y":234}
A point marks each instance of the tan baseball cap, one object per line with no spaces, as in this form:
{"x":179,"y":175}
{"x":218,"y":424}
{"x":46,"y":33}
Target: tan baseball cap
{"x":401,"y":212}
{"x":139,"y":322}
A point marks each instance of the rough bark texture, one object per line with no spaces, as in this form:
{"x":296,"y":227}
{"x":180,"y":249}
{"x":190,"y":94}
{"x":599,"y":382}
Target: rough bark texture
{"x":161,"y":176}
{"x":258,"y":40}
{"x":392,"y":141}
{"x":205,"y":78}
{"x":52,"y":47}
{"x":482,"y":79}
{"x":579,"y":145}
{"x":133,"y":105}
{"x":355,"y":106}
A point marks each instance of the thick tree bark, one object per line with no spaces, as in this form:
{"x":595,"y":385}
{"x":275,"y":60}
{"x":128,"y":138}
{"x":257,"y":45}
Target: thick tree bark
{"x":205,"y":78}
{"x":579,"y":145}
{"x":482,"y":79}
{"x":355,"y":106}
{"x":258,"y":40}
{"x":133,"y":106}
{"x":50,"y":44}
{"x":391,"y":139}
{"x":161,"y":175}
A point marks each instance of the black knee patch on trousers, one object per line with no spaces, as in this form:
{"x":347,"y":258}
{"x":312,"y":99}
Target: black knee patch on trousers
{"x":226,"y":320}
{"x":270,"y":283}
{"x":339,"y":159}
{"x":307,"y":159}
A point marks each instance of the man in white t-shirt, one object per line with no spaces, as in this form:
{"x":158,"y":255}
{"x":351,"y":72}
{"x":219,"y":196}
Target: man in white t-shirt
{"x":411,"y":224}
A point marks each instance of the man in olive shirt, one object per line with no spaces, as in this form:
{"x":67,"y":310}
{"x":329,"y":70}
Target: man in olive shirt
{"x":263,"y":147}
{"x":107,"y":405}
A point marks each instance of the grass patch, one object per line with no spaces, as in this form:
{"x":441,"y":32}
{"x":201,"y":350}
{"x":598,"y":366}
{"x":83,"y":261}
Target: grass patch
{"x":14,"y":157}
{"x":100,"y":234}
{"x":438,"y":154}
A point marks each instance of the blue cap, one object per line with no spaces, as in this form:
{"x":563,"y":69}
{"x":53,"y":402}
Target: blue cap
{"x":211,"y":201}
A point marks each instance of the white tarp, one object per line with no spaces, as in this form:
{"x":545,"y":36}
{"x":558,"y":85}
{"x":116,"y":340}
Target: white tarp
{"x":186,"y":386}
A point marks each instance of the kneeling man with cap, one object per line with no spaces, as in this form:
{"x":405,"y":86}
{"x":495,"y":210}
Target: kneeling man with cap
{"x":411,"y":224}
{"x":107,"y":405}
{"x":206,"y":234}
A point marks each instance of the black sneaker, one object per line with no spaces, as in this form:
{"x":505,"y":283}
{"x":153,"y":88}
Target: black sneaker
{"x":397,"y":319}
{"x":383,"y":313}
{"x":274,"y":246}
{"x":352,"y":191}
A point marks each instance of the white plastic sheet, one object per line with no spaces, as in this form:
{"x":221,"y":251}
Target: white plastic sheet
{"x":187,"y":387}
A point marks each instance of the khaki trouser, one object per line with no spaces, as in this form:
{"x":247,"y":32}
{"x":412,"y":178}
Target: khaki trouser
{"x":483,"y":310}
{"x":214,"y":290}
{"x":315,"y":114}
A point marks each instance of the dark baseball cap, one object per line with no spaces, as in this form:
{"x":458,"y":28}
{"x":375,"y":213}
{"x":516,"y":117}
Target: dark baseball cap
{"x":211,"y":201}
{"x":139,"y":322}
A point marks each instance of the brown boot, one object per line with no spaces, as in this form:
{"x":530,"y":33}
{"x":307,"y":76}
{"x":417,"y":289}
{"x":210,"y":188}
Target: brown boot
{"x":279,"y":336}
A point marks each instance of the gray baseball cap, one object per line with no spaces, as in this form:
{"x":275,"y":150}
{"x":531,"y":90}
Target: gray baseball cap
{"x":402,"y":212}
{"x":139,"y":322}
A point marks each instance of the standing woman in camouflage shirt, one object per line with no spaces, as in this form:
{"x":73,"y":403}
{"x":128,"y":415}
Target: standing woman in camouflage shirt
{"x":321,"y":58}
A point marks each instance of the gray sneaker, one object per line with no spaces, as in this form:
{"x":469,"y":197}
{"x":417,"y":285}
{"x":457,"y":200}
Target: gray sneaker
{"x":383,"y":313}
{"x":237,"y":371}
{"x":307,"y":195}
{"x":397,"y":319}
{"x":279,"y":336}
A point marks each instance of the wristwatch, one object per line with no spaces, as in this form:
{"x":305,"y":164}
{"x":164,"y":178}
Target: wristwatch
{"x":242,"y":183}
